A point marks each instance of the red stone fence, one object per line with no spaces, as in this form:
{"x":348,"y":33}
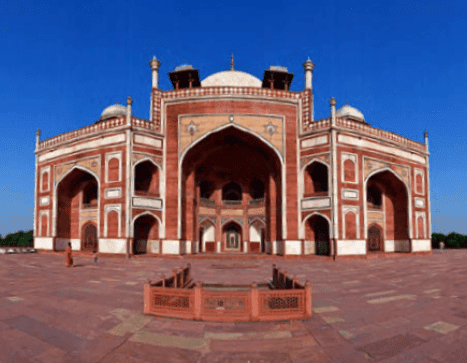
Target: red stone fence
{"x":177,"y":296}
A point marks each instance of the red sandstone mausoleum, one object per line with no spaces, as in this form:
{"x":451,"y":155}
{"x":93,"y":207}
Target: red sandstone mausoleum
{"x":232,"y":165}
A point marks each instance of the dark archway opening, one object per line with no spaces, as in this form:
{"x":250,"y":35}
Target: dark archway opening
{"x":375,"y":239}
{"x":146,"y":179}
{"x":145,"y":231}
{"x":232,"y":237}
{"x":318,"y":231}
{"x":387,"y":196}
{"x":76,"y":191}
{"x":316,"y":179}
{"x":89,"y":238}
{"x":236,"y":171}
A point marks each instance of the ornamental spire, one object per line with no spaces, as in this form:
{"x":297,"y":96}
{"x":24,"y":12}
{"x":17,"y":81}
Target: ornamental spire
{"x":232,"y":62}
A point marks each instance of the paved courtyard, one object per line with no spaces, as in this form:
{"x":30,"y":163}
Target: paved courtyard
{"x":392,"y":310}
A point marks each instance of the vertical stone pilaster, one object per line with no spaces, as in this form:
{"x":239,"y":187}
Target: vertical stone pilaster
{"x":334,"y":172}
{"x":427,"y":184}
{"x":36,"y":182}
{"x":128,"y":182}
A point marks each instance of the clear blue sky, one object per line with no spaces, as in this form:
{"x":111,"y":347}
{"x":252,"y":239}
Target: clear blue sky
{"x":403,"y":64}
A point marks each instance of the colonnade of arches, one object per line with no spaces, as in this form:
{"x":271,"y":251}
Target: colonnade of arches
{"x":235,"y":170}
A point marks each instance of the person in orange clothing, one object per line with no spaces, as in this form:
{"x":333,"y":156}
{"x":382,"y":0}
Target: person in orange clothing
{"x":69,"y":257}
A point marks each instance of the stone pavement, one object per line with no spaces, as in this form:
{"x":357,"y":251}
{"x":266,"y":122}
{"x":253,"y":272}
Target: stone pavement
{"x":408,"y":309}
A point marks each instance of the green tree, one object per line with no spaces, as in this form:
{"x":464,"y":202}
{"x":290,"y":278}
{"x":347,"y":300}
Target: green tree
{"x":436,"y":238}
{"x":454,"y":240}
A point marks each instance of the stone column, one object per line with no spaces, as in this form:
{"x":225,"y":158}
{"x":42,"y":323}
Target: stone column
{"x":128,"y":179}
{"x":308,"y":66}
{"x":334,"y":174}
{"x":155,"y":64}
{"x":427,"y":184}
{"x":189,"y":208}
{"x":272,"y":214}
{"x":37,"y":182}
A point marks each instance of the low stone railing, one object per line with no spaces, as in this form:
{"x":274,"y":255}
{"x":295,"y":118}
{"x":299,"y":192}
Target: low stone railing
{"x":87,"y":130}
{"x":95,"y":129}
{"x":281,"y":299}
{"x":364,"y":129}
{"x":382,"y":134}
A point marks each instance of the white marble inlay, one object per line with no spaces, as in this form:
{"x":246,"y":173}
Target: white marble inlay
{"x":44,"y":201}
{"x":315,"y":141}
{"x":148,"y":141}
{"x":155,"y":203}
{"x":420,"y":202}
{"x":316,"y":203}
{"x":350,"y":194}
{"x":113,"y":193}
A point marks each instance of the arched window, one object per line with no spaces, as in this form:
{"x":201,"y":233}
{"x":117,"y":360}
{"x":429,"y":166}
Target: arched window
{"x":90,"y":195}
{"x":257,"y":189}
{"x":232,"y":191}
{"x":374,"y":197}
{"x":316,"y":179}
{"x":205,"y":189}
{"x":147,"y":179}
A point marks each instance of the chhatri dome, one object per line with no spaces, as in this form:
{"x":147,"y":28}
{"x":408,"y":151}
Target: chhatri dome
{"x":350,"y":112}
{"x":111,"y":111}
{"x":231,"y":78}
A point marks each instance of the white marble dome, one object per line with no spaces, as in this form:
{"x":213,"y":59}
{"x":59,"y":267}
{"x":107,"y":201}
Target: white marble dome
{"x":350,"y":112}
{"x":116,"y":110}
{"x":231,"y":79}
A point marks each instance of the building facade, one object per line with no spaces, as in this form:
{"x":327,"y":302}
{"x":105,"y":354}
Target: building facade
{"x":232,"y":165}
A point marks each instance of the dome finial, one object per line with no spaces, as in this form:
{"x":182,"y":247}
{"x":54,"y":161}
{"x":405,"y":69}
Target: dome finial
{"x":232,"y":62}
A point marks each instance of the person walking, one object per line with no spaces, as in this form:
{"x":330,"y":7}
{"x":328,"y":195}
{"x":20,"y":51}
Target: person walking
{"x":69,"y":257}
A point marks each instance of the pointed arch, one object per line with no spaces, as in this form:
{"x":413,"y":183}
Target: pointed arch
{"x":145,"y":213}
{"x":207,"y":220}
{"x":154,"y":185}
{"x":319,"y":215}
{"x":225,"y":126}
{"x":257,"y":144}
{"x":55,"y":196}
{"x":314,"y":160}
{"x":314,"y":183}
{"x":381,"y":170}
{"x":408,"y":195}
{"x":146,"y":158}
{"x":80,"y":167}
{"x":257,"y":219}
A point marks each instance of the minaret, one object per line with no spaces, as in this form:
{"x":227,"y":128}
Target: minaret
{"x":425,"y":134}
{"x":308,"y":65}
{"x":155,"y":64}
{"x":38,"y":137}
{"x":332,"y":102}
{"x":129,"y":102}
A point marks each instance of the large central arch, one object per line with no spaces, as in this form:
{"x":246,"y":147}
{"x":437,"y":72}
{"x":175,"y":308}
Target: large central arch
{"x":232,"y":174}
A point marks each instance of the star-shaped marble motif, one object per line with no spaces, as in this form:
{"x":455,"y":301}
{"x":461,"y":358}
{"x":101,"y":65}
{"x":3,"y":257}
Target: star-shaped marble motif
{"x":191,"y":128}
{"x":270,"y":129}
